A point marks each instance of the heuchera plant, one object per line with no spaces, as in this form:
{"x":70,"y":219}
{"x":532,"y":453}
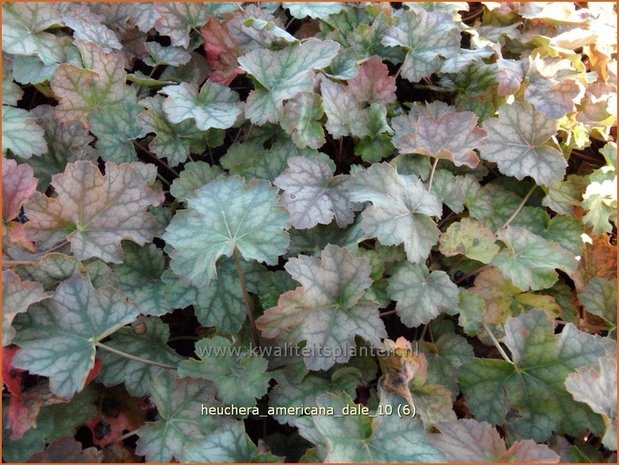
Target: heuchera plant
{"x":245,"y":232}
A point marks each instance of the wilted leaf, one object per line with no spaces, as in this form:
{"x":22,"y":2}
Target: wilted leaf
{"x":530,"y":261}
{"x":469,"y":440}
{"x":151,"y":345}
{"x":23,"y":31}
{"x":225,"y":214}
{"x":328,"y":310}
{"x":100,"y":83}
{"x":532,"y":389}
{"x":437,"y":131}
{"x":421,"y":295}
{"x":180,"y":422}
{"x":18,"y":184}
{"x":17,"y":296}
{"x":21,"y":134}
{"x":469,"y":238}
{"x":229,"y":444}
{"x":518,"y":142}
{"x":373,"y":83}
{"x":97,"y":211}
{"x":282,"y":75}
{"x":239,"y":376}
{"x":401,"y":209}
{"x":597,"y":387}
{"x":427,"y":37}
{"x":301,"y":120}
{"x":58,"y":336}
{"x":312,"y":195}
{"x":215,"y":106}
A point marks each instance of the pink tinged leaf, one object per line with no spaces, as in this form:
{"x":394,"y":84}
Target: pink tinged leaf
{"x":440,"y":132}
{"x":88,"y":26}
{"x":68,"y":450}
{"x":312,"y":195}
{"x":518,"y":143}
{"x":328,"y":310}
{"x":18,"y":184}
{"x":527,"y":451}
{"x":24,"y":408}
{"x":373,"y":83}
{"x":100,"y":83}
{"x":17,"y":296}
{"x":554,"y":99}
{"x":221,"y":52}
{"x":98,"y":210}
{"x":13,"y":378}
{"x":509,"y":76}
{"x":469,"y":440}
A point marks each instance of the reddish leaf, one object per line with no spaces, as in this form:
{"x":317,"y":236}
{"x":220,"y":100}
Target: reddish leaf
{"x":12,"y":377}
{"x":24,"y":408}
{"x":373,"y":83}
{"x":68,"y":450}
{"x":221,"y":52}
{"x":18,"y":184}
{"x":94,"y":372}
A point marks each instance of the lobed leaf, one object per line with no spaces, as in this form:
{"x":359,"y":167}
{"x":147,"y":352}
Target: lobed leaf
{"x":226,"y":214}
{"x":518,"y":143}
{"x":96,"y":210}
{"x":312,"y":195}
{"x":58,"y":337}
{"x":401,"y":209}
{"x":328,"y":310}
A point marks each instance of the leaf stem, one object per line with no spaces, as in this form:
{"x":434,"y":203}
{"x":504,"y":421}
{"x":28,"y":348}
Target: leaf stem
{"x":10,"y":263}
{"x":134,"y":357}
{"x":497,"y":344}
{"x":472,"y":273}
{"x":249,"y":305}
{"x":432,"y":174}
{"x":520,"y":207}
{"x":390,"y":312}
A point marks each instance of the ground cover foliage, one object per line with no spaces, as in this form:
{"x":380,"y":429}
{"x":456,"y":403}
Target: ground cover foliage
{"x":185,"y":182}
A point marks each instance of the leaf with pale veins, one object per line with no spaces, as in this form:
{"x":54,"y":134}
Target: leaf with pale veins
{"x":328,"y":310}
{"x":93,"y":211}
{"x":312,"y":195}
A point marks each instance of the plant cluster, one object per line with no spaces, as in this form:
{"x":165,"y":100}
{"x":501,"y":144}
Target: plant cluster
{"x":349,"y":231}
